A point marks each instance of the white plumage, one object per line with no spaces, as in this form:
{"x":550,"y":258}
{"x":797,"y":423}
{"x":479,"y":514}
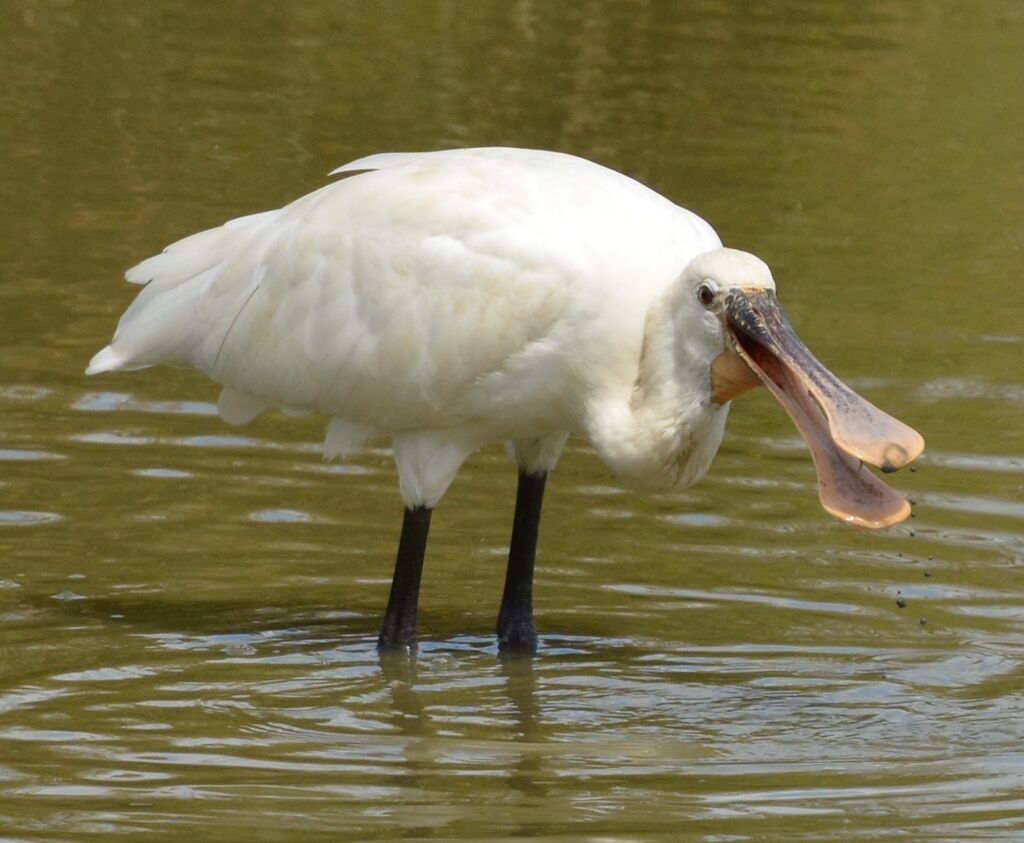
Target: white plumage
{"x":451,"y":299}
{"x":444,"y":299}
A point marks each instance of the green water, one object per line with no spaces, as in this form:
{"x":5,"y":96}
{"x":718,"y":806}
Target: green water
{"x":188,"y":611}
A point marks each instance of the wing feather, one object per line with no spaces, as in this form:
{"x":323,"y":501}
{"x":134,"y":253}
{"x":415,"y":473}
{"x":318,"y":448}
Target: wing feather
{"x":415,"y":295}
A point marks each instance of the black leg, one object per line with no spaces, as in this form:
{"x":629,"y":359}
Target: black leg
{"x":398,"y":632}
{"x":516,"y":633}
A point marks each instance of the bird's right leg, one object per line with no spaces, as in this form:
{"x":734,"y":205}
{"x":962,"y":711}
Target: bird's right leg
{"x":398,"y":632}
{"x":427,"y":463}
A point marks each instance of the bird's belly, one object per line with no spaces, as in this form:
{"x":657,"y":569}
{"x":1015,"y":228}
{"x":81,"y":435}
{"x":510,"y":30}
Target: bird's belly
{"x":498,"y":405}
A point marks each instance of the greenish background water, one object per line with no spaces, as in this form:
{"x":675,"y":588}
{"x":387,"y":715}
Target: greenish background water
{"x":188,"y":611}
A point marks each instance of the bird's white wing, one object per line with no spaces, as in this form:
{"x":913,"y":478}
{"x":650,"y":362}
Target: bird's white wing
{"x":405,"y":297}
{"x":378,"y":161}
{"x":381,"y":312}
{"x":494,"y":154}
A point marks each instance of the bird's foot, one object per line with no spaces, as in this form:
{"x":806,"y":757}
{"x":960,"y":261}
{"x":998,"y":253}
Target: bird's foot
{"x":518,"y":638}
{"x":396,"y":640}
{"x":406,"y":649}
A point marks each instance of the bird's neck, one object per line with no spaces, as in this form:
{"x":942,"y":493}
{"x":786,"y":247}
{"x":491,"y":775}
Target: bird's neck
{"x":662,"y":430}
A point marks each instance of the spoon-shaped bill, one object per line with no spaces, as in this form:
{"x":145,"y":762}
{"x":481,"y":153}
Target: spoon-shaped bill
{"x":840,"y":428}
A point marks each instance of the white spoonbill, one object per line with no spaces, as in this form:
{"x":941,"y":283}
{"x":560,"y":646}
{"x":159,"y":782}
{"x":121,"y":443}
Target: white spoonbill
{"x":451,"y":299}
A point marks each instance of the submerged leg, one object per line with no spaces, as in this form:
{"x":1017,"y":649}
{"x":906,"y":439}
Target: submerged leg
{"x":516,"y":632}
{"x":398,"y":632}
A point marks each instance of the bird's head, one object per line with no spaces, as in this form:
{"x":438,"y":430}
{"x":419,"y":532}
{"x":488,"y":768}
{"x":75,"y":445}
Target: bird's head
{"x":735,"y":294}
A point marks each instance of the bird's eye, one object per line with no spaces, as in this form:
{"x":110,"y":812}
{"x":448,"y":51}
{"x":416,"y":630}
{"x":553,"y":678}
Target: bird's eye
{"x":707,"y":294}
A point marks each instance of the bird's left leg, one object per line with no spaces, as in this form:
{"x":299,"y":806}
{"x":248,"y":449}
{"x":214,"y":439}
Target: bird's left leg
{"x":535,"y":458}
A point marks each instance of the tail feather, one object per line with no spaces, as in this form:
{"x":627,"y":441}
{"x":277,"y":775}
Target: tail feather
{"x":106,"y":360}
{"x":194,"y":254}
{"x":165,"y":324}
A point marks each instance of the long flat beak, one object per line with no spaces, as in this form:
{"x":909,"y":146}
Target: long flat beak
{"x":841,"y":429}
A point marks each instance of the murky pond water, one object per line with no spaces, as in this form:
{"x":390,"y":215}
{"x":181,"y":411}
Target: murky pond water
{"x":188,"y":611}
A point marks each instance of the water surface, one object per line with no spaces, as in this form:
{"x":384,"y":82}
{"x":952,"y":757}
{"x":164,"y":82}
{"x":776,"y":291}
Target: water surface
{"x":188,"y":611}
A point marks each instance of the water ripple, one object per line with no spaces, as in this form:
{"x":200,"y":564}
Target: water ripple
{"x":19,"y":455}
{"x":27,"y":518}
{"x":106,"y":402}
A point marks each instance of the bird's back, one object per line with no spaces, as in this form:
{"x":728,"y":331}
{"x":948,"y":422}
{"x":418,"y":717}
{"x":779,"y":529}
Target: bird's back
{"x":434,"y":290}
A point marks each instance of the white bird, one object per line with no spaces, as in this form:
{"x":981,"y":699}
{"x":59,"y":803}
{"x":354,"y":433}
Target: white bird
{"x":451,"y":299}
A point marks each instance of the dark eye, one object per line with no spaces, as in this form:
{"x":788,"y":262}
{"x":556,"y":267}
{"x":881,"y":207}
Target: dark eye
{"x":707,"y":294}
